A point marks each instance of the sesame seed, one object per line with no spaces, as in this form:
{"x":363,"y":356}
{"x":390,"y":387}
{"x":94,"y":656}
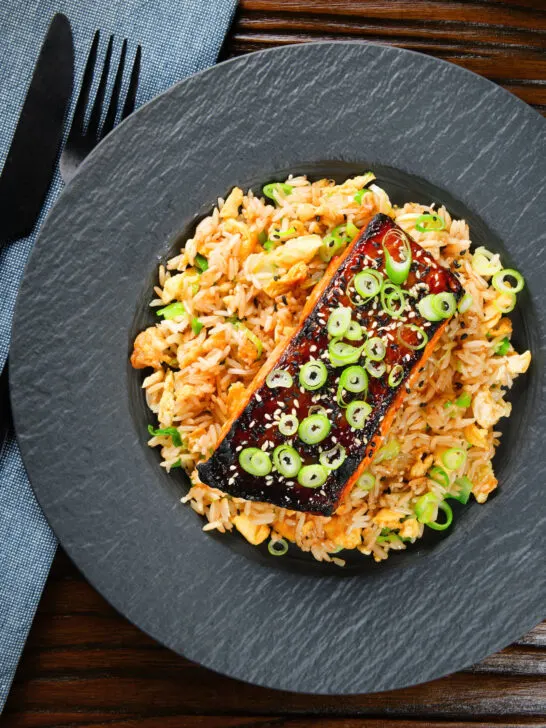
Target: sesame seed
{"x":231,"y":481}
{"x":258,"y":398}
{"x":312,"y":348}
{"x":267,"y":416}
{"x":296,"y":403}
{"x":253,"y":423}
{"x":238,"y":448}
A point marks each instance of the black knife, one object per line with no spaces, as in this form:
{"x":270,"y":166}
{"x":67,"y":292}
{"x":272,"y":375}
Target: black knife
{"x":31,"y":159}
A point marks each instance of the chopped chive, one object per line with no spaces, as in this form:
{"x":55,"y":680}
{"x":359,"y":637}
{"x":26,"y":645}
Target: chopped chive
{"x":503,"y":347}
{"x":196,"y":326}
{"x":173,"y":310}
{"x":171,"y":431}
{"x":201,"y":262}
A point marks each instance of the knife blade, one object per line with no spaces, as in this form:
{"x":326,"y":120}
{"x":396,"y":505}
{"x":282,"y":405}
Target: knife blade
{"x":31,"y":159}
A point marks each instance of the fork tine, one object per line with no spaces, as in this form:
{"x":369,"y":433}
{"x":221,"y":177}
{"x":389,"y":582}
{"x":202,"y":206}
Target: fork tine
{"x":110,"y":119}
{"x":96,"y":111}
{"x":129,"y":105}
{"x":79,"y":112}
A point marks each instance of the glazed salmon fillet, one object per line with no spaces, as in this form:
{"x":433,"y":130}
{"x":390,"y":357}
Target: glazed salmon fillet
{"x":319,"y":408}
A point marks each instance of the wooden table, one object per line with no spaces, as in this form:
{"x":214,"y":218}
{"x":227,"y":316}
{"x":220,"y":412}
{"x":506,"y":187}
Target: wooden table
{"x":84,"y":665}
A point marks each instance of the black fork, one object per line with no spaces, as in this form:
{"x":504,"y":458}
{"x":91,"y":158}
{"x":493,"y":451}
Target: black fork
{"x":81,"y":139}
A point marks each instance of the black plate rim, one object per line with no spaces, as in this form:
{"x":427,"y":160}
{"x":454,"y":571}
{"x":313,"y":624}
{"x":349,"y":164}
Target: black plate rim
{"x":16,"y":393}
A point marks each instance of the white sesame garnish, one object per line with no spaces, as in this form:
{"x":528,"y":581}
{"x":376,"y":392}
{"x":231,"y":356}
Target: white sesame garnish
{"x":312,"y":348}
{"x":231,"y":481}
{"x":296,"y":403}
{"x":258,"y":398}
{"x":238,"y":448}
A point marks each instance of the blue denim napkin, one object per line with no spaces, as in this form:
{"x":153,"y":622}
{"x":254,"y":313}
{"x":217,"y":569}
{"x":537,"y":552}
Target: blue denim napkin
{"x":178,"y":38}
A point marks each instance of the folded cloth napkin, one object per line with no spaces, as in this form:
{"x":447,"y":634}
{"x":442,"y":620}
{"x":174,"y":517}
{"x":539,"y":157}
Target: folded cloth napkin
{"x":178,"y":38}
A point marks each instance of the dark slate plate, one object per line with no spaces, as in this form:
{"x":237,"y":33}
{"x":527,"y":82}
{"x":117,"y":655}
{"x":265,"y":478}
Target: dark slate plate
{"x":431,"y":131}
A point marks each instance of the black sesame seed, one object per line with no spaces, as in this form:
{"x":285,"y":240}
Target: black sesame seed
{"x":317,"y":218}
{"x":458,"y":385}
{"x":464,"y":336}
{"x":457,"y":264}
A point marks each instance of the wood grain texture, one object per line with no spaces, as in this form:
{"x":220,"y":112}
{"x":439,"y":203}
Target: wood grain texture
{"x":84,"y":665}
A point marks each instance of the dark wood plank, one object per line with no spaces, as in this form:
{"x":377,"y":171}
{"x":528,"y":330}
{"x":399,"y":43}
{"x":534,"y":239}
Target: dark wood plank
{"x":86,"y":666}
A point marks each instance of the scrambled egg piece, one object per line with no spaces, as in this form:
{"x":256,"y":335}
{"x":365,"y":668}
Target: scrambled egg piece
{"x":234,"y":397}
{"x":387,"y":518}
{"x":232,"y":203}
{"x":262,"y":267}
{"x":410,"y":528}
{"x":285,"y":529}
{"x":253,"y":533}
{"x":518,"y":363}
{"x":476,"y":436}
{"x":296,"y":274}
{"x":149,"y":349}
{"x":488,"y":412}
{"x":337,"y":530}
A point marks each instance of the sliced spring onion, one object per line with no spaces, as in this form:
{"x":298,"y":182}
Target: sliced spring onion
{"x":360,"y":195}
{"x":339,"y":321}
{"x":269,"y":245}
{"x":426,"y":309}
{"x":393,"y":300}
{"x":396,"y":375}
{"x":398,"y":265}
{"x":465,"y":400}
{"x":375,"y":349}
{"x":465,"y":303}
{"x":503,"y":347}
{"x":312,"y":476}
{"x":367,"y":283}
{"x":337,"y":239}
{"x":278,"y":547}
{"x":173,"y":310}
{"x":171,"y":431}
{"x":426,"y":507}
{"x":366,"y":481}
{"x":355,"y":332}
{"x":277,"y":234}
{"x":201,"y":262}
{"x":196,"y":326}
{"x":412,"y":336}
{"x":334,"y":458}
{"x":445,"y":304}
{"x":317,"y":409}
{"x":388,"y":452}
{"x":446,"y":508}
{"x":288,"y":425}
{"x":251,"y":336}
{"x":501,"y":281}
{"x":286,"y":460}
{"x":429,"y":222}
{"x":272,"y":190}
{"x":454,"y":458}
{"x":354,"y":379}
{"x":439,"y":475}
{"x":375,"y":369}
{"x":485,"y":263}
{"x":314,"y":428}
{"x":262,"y":237}
{"x":313,"y":375}
{"x":177,"y":464}
{"x":331,"y":244}
{"x":464,"y":489}
{"x":279,"y":378}
{"x":341,"y":353}
{"x":357,"y":414}
{"x":255,"y":461}
{"x":505,"y":302}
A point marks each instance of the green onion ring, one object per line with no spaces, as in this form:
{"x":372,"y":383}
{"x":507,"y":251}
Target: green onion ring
{"x":420,"y":334}
{"x":397,"y":270}
{"x":339,"y":321}
{"x":312,"y":476}
{"x":278,"y":547}
{"x":279,"y":378}
{"x":454,"y":458}
{"x":446,"y":508}
{"x":288,"y":425}
{"x":465,"y":303}
{"x":375,"y":349}
{"x":465,"y":486}
{"x":429,"y":223}
{"x":286,"y":460}
{"x":341,"y":353}
{"x":334,"y":458}
{"x":499,"y":281}
{"x":396,"y":375}
{"x":314,"y":428}
{"x":313,"y":375}
{"x":255,"y":461}
{"x":366,"y":481}
{"x":357,"y":414}
{"x":375,"y":369}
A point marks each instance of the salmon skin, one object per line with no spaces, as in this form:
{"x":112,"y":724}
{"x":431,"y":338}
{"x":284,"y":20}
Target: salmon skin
{"x":255,"y":424}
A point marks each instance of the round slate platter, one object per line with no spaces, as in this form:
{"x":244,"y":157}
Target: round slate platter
{"x":431,"y":131}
